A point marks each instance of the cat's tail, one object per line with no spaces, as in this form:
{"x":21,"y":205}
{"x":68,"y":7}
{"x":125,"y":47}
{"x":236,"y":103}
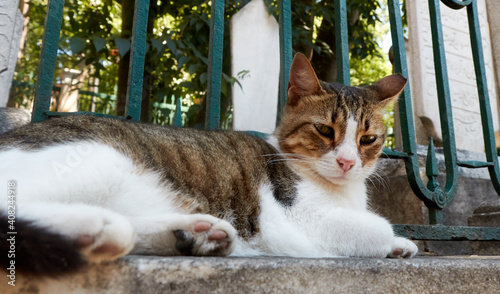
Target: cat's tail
{"x":28,"y":249}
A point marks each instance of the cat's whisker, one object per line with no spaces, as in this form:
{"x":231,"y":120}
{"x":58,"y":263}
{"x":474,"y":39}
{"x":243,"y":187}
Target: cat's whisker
{"x":288,"y":160}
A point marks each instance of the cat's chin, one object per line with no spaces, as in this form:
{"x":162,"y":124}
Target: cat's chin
{"x":339,"y":180}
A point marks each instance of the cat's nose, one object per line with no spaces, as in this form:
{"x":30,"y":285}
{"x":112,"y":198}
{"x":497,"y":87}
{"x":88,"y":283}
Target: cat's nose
{"x":345,"y":164}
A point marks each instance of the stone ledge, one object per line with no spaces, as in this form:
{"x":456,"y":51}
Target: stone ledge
{"x":150,"y":274}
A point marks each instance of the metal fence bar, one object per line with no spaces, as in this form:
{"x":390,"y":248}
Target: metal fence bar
{"x":445,"y":109}
{"x":48,"y":58}
{"x":447,"y":233}
{"x":484,"y":100}
{"x":285,"y":31}
{"x":215,"y":50}
{"x":434,"y":197}
{"x":406,"y":109}
{"x":178,"y":113}
{"x":137,"y":60}
{"x":342,"y":43}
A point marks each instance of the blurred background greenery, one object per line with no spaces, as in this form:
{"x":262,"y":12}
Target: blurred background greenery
{"x":95,"y":43}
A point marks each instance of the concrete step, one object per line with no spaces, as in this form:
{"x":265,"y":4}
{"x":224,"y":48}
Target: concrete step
{"x":151,"y":274}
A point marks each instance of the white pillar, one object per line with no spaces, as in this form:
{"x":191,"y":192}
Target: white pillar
{"x":255,"y":47}
{"x":11,"y":28}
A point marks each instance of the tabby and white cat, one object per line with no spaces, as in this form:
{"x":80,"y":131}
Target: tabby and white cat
{"x":93,"y":189}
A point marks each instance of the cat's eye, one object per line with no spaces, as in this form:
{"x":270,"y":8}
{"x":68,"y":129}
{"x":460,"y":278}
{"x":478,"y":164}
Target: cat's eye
{"x":367,"y":139}
{"x":324,"y":130}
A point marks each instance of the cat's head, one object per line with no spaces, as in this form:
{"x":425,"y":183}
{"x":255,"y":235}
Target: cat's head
{"x":333,"y":132}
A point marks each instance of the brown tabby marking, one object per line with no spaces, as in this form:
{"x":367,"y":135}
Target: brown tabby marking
{"x":315,"y":102}
{"x":217,"y":173}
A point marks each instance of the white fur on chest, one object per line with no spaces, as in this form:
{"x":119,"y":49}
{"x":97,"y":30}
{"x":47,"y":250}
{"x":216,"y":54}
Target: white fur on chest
{"x":301,"y":229}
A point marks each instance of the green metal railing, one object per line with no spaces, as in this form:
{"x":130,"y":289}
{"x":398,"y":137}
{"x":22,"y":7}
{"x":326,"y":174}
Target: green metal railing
{"x":433,"y":195}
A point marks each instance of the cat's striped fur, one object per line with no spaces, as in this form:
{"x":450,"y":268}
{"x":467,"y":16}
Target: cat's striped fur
{"x":108,"y":187}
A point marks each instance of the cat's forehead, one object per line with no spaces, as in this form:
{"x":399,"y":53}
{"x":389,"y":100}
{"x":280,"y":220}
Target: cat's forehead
{"x":348,"y":102}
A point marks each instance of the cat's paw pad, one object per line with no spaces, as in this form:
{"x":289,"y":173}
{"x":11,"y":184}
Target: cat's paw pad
{"x":208,"y":236}
{"x":403,"y":248}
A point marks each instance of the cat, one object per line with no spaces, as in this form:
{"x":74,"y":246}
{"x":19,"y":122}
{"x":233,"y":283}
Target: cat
{"x":89,"y":189}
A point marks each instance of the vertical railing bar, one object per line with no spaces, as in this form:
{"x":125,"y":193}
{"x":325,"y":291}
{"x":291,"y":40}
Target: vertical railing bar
{"x":285,"y":31}
{"x":341,"y":41}
{"x":482,"y":89}
{"x":400,"y":65}
{"x":444,"y":100}
{"x":48,"y":59}
{"x":214,"y":80}
{"x":137,"y":60}
{"x":178,"y":113}
{"x":405,"y":107}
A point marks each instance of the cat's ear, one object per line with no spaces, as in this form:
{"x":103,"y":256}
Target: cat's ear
{"x":303,"y":80}
{"x":388,"y":88}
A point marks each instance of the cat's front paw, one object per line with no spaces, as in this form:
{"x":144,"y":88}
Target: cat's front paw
{"x":403,"y":248}
{"x":112,"y":238}
{"x":205,"y":235}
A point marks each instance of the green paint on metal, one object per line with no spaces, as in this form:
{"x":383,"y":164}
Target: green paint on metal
{"x":48,"y":57}
{"x":447,"y":233}
{"x":342,"y":46}
{"x":436,"y":197}
{"x":444,"y":101}
{"x":137,"y":60}
{"x":484,"y":100}
{"x":431,"y":168}
{"x":405,"y":109}
{"x":457,"y":4}
{"x":285,"y":31}
{"x":389,"y":153}
{"x":214,"y":80}
{"x":63,"y":114}
{"x":178,"y":114}
{"x":433,"y":195}
{"x":258,"y":134}
{"x":436,"y":214}
{"x":475,"y":164}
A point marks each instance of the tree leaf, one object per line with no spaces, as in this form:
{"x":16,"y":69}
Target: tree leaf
{"x":123,"y":45}
{"x":183,"y":61}
{"x":77,"y":44}
{"x":158,"y":45}
{"x":203,"y":78}
{"x":199,"y":25}
{"x":187,"y":85}
{"x":172,"y":46}
{"x":99,"y":43}
{"x":223,"y":88}
{"x":193,"y":68}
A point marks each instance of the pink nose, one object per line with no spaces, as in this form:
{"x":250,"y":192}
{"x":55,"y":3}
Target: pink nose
{"x":345,"y":164}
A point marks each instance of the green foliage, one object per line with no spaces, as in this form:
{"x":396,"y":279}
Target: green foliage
{"x":178,"y":41}
{"x":87,"y":32}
